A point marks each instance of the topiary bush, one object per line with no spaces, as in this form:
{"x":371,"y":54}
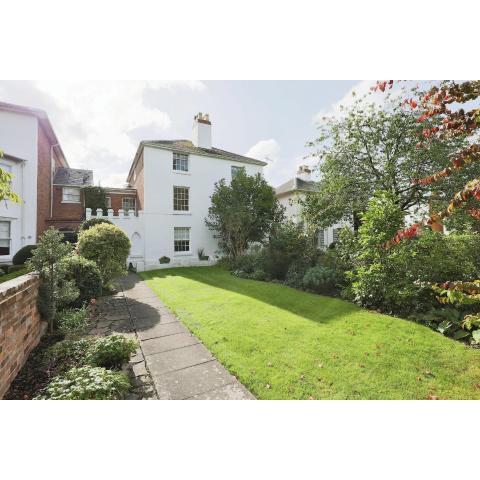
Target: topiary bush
{"x":23,"y":254}
{"x":320,"y":279}
{"x":111,"y":352}
{"x":109,"y":247}
{"x":91,"y":222}
{"x":87,"y":383}
{"x":86,"y":276}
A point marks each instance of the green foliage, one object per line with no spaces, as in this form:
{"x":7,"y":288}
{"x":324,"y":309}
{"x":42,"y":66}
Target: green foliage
{"x":109,"y":247}
{"x":87,"y":383}
{"x":55,"y":290}
{"x":370,"y":148}
{"x":73,"y":321}
{"x":95,"y":197}
{"x":23,"y":254}
{"x":295,"y":273}
{"x":91,"y":222}
{"x":164,"y":259}
{"x":320,"y":279}
{"x":289,"y":243}
{"x":5,"y":277}
{"x":111,"y":351}
{"x":86,"y":276}
{"x":6,"y":192}
{"x":243,"y":212}
{"x":66,"y":354}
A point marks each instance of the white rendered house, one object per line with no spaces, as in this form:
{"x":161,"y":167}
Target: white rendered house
{"x":291,"y":193}
{"x":174,"y":180}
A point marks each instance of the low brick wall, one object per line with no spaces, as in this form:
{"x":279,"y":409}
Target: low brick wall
{"x":20,"y":326}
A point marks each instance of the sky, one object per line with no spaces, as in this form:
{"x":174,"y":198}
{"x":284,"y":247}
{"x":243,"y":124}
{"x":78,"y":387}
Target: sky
{"x":100,"y":123}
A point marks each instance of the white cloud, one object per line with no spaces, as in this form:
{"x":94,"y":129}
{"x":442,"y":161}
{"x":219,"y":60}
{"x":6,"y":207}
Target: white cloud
{"x":279,"y":169}
{"x":98,"y":123}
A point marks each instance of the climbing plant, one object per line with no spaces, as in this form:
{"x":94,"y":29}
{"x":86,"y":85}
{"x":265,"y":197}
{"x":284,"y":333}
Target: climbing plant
{"x":95,"y":198}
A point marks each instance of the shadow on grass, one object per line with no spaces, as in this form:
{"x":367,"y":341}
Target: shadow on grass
{"x":307,"y":305}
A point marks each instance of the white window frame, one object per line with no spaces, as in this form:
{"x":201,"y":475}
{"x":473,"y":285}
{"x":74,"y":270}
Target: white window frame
{"x":186,"y":199}
{"x":321,"y":238}
{"x":129,"y":209}
{"x":181,"y":162}
{"x":108,"y":201}
{"x":182,"y":234}
{"x":336,"y":235}
{"x":8,"y":238}
{"x":67,"y":197}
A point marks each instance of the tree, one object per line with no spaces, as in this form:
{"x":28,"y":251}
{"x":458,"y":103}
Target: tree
{"x":370,"y":148}
{"x":46,"y":259}
{"x":6,"y":192}
{"x":108,"y":246}
{"x":95,"y":197}
{"x":244,"y":211}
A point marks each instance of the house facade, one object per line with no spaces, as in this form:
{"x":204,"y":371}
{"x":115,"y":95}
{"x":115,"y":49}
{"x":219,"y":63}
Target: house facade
{"x":291,"y":193}
{"x":173,"y":181}
{"x":50,"y":190}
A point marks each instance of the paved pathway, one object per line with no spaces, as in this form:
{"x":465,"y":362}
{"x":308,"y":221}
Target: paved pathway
{"x":171,"y":363}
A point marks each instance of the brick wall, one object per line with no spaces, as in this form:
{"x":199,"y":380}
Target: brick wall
{"x":116,"y":199}
{"x":20,"y":326}
{"x":43,"y":181}
{"x":72,"y":213}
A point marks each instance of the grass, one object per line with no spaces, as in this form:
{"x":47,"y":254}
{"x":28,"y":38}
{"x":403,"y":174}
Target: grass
{"x":283,"y":343}
{"x":12,"y":275}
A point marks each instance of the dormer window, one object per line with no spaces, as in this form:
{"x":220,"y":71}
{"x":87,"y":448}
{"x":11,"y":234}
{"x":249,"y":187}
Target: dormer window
{"x":180,"y":162}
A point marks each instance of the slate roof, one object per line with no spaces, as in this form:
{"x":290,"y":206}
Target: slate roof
{"x":186,"y":146}
{"x":73,"y":176}
{"x":296,"y":184}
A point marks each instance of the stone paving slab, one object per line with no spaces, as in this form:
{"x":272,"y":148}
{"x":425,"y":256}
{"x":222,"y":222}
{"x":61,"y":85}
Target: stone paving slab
{"x":162,"y":330}
{"x":186,"y":383}
{"x":165,"y":362}
{"x":232,"y":391}
{"x":171,"y":363}
{"x":171,"y":342}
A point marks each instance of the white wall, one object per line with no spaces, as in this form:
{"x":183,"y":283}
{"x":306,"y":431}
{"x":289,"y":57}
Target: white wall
{"x":160,"y":219}
{"x":19,"y":138}
{"x":293,"y":211}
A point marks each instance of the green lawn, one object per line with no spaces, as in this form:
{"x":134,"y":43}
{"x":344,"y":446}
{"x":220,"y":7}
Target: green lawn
{"x":12,"y":275}
{"x":283,"y":343}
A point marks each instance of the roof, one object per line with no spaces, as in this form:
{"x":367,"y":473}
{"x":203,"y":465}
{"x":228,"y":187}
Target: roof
{"x":73,"y":176}
{"x":296,"y":185}
{"x":186,"y":146}
{"x":6,"y":156}
{"x":42,"y":119}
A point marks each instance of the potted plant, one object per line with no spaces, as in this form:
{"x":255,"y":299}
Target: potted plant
{"x":201,"y":254}
{"x":164,"y":259}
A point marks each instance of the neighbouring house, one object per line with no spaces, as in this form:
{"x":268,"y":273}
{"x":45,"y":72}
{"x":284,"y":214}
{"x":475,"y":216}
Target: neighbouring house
{"x":51,"y":191}
{"x":173,"y":180}
{"x":292,"y":192}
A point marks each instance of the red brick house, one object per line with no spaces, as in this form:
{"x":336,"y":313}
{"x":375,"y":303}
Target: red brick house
{"x":50,"y":189}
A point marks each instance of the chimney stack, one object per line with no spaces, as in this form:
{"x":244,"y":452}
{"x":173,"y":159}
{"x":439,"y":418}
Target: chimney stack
{"x":202,"y":131}
{"x":304,"y":173}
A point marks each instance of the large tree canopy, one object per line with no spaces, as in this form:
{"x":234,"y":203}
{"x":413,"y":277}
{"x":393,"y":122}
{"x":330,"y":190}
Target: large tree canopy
{"x":369,"y":148}
{"x":242,"y":212}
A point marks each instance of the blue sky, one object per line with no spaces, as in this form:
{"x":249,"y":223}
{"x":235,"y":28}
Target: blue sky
{"x":99,"y":124}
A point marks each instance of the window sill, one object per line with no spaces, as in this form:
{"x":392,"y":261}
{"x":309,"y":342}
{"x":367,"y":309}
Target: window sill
{"x":183,"y":254}
{"x":180,"y":212}
{"x":75,"y":203}
{"x":180,"y":172}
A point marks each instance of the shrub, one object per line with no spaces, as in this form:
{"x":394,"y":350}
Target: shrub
{"x":86,"y":276}
{"x":295,"y":273}
{"x":67,"y":354}
{"x":259,"y":275}
{"x":109,"y":247}
{"x":23,"y":254}
{"x":55,"y":290}
{"x":111,"y":352}
{"x":87,"y":383}
{"x":320,"y":279}
{"x":288,"y":244}
{"x":164,"y":260}
{"x":91,"y":222}
{"x":73,"y":320}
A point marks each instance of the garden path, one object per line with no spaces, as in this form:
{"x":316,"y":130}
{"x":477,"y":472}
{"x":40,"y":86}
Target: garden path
{"x":171,"y":363}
